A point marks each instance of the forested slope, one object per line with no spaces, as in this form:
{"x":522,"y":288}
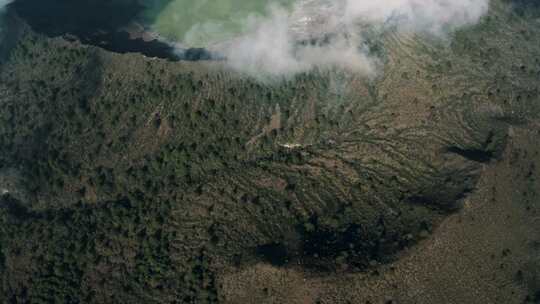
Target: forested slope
{"x":138,"y":180}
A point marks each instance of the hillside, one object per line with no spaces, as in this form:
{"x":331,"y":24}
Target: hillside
{"x":129,"y":179}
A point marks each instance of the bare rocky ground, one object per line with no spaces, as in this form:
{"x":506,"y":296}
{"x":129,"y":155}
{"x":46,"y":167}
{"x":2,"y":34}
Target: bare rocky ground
{"x":140,"y":180}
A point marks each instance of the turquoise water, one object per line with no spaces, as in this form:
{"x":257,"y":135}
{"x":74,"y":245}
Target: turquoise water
{"x":199,"y":23}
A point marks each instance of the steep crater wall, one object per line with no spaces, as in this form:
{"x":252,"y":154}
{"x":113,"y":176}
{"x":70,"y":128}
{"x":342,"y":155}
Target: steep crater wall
{"x":169,"y":174}
{"x":105,"y":24}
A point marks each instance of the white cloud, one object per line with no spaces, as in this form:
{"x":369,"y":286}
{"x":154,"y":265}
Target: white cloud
{"x":419,"y":15}
{"x":271,"y":46}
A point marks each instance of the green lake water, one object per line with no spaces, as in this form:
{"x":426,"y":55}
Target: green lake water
{"x":199,"y":23}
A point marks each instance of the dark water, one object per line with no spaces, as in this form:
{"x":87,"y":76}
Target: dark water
{"x":526,"y":7}
{"x":99,"y":23}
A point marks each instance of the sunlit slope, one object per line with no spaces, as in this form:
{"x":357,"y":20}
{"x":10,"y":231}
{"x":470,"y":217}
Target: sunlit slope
{"x":169,"y":174}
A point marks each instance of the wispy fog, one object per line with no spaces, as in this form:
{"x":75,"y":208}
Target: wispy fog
{"x":272,"y":44}
{"x":3,"y":4}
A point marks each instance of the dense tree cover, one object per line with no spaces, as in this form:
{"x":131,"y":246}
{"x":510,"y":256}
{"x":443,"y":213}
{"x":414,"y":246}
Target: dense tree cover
{"x":145,"y":179}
